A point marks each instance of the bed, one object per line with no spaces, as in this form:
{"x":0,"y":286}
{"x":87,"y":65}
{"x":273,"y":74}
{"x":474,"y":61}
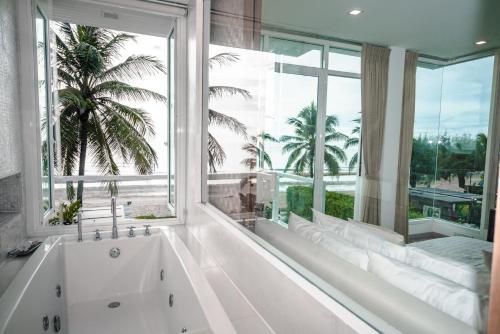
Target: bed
{"x":465,"y":250}
{"x":462,"y":249}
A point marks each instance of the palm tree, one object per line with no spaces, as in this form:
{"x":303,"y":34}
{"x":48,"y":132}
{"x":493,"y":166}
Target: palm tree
{"x":353,"y":142}
{"x":216,"y":154}
{"x":257,"y":152}
{"x":93,"y":117}
{"x":302,"y":145}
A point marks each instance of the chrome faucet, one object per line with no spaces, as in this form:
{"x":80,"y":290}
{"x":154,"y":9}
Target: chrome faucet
{"x":131,"y":233}
{"x":114,"y":233}
{"x":147,"y":231}
{"x":80,"y":223}
{"x":97,"y":236}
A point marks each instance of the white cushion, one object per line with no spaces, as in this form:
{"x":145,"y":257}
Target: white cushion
{"x":344,"y":249}
{"x":333,"y":224}
{"x":458,"y":272}
{"x":328,"y":240}
{"x":304,"y":227}
{"x":364,"y":238}
{"x":438,"y":292}
{"x":381,"y":232}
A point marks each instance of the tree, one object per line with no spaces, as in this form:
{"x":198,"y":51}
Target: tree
{"x":423,"y":159}
{"x":257,"y":152}
{"x":91,"y":91}
{"x":302,"y":145}
{"x":216,"y":154}
{"x":353,"y":142}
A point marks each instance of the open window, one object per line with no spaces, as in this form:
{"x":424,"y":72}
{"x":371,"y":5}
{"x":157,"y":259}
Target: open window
{"x":107,"y":112}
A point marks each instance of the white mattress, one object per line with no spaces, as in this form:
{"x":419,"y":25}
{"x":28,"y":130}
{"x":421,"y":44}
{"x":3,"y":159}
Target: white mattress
{"x":465,"y":250}
{"x":462,"y":249}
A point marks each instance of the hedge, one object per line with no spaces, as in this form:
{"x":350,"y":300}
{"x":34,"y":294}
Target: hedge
{"x":299,"y":200}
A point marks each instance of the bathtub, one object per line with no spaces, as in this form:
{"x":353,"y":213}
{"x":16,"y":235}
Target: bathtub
{"x":146,"y":284}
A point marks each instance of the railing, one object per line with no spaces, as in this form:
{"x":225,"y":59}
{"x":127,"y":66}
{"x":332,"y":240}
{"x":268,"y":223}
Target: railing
{"x":270,"y":184}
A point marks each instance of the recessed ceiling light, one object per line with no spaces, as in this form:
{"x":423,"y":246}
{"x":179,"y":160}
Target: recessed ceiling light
{"x":481,"y":42}
{"x":355,"y":12}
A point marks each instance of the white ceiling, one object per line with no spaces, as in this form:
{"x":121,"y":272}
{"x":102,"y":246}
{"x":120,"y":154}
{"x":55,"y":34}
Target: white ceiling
{"x":441,"y":28}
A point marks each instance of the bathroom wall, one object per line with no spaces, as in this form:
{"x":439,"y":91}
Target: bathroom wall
{"x":12,"y":226}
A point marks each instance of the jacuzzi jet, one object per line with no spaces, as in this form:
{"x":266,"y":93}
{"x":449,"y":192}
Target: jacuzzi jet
{"x":114,"y":304}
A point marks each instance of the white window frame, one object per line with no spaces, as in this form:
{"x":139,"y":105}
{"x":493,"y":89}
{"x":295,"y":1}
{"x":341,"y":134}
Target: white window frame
{"x":491,"y":160}
{"x":26,"y":15}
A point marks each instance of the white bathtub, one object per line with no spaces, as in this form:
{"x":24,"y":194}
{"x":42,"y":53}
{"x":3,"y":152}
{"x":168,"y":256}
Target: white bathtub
{"x":90,"y":279}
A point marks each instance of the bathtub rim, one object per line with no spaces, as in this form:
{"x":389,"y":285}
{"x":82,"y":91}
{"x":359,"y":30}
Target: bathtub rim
{"x":12,"y":296}
{"x":210,"y":304}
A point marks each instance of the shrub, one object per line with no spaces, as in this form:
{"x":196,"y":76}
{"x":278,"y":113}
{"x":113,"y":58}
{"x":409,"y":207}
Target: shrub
{"x":299,"y":200}
{"x":339,"y":205}
{"x":415,"y":214}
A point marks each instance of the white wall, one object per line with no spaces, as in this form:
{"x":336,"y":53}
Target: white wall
{"x":10,"y":120}
{"x":390,"y":152}
{"x":12,"y":224}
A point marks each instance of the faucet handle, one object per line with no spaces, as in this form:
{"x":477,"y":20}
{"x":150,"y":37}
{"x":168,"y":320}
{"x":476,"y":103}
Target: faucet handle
{"x":97,"y":236}
{"x":147,"y":231}
{"x":131,"y":233}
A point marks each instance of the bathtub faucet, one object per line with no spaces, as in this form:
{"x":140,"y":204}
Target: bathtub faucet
{"x":114,"y":233}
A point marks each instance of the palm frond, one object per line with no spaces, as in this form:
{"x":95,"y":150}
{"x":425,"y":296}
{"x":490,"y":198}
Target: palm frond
{"x":134,"y":67}
{"x":223,"y":59}
{"x":121,"y":90}
{"x":219,"y":119}
{"x":225,"y":91}
{"x":216,"y":154}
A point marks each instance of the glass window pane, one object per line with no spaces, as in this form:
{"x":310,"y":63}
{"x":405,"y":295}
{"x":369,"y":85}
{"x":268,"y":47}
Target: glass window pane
{"x":296,"y":53}
{"x":128,"y":132}
{"x":43,"y":108}
{"x":261,"y":136}
{"x":425,"y":140}
{"x":171,"y":119}
{"x":344,"y":60}
{"x":342,"y":145}
{"x":449,"y":145}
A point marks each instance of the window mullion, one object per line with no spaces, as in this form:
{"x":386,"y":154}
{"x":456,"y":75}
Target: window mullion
{"x":318,"y":199}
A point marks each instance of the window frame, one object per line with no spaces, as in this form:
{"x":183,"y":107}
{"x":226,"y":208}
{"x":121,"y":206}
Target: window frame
{"x":321,"y":73}
{"x":35,"y":221}
{"x":491,"y":170}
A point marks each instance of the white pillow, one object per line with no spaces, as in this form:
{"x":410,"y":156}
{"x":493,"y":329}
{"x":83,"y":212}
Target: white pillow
{"x":364,"y":238}
{"x":438,"y":292}
{"x":344,"y":249}
{"x":381,"y":232}
{"x":304,"y":227}
{"x":333,"y":224}
{"x":455,"y":271}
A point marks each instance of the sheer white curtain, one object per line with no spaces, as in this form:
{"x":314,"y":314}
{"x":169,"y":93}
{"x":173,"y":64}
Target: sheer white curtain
{"x":374,"y":76}
{"x":405,"y":144}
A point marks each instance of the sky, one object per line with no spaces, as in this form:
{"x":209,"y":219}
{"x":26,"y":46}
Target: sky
{"x":454,"y":99}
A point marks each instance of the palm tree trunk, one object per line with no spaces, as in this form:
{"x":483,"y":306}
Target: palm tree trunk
{"x":83,"y":134}
{"x":311,"y":163}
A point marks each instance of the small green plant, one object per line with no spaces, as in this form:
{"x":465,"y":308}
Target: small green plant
{"x":150,"y":216}
{"x":68,"y":213}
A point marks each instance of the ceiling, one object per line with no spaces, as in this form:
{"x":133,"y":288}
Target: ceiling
{"x":444,"y":29}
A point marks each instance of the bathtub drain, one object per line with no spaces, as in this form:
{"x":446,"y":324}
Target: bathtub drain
{"x":114,"y":304}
